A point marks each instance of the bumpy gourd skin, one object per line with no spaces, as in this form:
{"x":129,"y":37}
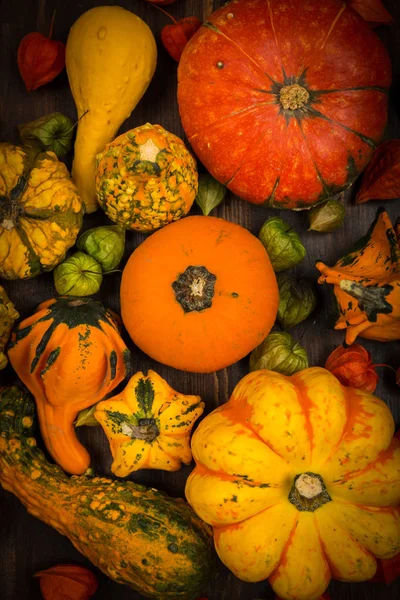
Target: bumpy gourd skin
{"x":249,"y":454}
{"x":8,"y":316}
{"x":148,"y":425}
{"x":367,"y":285}
{"x":40,"y":212}
{"x":136,"y":536}
{"x":111,"y":57}
{"x":70,"y":355}
{"x":146,"y":178}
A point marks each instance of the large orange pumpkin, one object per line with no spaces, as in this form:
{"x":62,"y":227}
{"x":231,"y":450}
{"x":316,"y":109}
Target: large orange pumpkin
{"x":199,"y":294}
{"x":284,"y":101}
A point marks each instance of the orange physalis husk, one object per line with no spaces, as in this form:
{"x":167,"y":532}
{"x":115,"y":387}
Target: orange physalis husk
{"x":176,"y":36}
{"x":372,"y":11}
{"x":353,"y":367}
{"x":381,"y":180}
{"x":40,"y":59}
{"x":67,"y":582}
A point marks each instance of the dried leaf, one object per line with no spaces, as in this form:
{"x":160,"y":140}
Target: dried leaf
{"x":381,"y":180}
{"x":67,"y":582}
{"x":353,"y":367}
{"x":372,"y":11}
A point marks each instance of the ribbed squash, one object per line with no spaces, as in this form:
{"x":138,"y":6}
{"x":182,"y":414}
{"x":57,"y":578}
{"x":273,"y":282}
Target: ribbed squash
{"x":70,"y":355}
{"x":148,"y":425}
{"x":111,"y":57}
{"x":40,"y":212}
{"x":8,"y":316}
{"x":146,"y":178}
{"x":137,"y":536}
{"x":300,"y":479}
{"x":366,"y":284}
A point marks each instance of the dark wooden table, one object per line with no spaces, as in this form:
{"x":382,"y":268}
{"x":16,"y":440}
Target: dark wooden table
{"x":26,"y":544}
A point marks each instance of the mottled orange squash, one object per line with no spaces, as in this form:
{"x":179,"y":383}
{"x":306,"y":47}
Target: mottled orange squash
{"x":70,"y":355}
{"x":300,"y":479}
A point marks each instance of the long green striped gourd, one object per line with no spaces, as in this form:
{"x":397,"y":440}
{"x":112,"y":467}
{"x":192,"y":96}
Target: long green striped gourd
{"x":137,"y":536}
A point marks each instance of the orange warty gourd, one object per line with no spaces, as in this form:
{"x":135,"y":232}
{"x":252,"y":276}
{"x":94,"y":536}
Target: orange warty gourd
{"x":284,"y":101}
{"x":300,"y":479}
{"x":70,"y":355}
{"x":199,"y":294}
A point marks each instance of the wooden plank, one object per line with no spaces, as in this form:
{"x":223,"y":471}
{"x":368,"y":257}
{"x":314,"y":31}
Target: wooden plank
{"x":26,"y":544}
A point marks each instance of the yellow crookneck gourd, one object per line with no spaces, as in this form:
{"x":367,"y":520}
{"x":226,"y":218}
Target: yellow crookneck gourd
{"x":148,"y":425}
{"x":111,"y":57}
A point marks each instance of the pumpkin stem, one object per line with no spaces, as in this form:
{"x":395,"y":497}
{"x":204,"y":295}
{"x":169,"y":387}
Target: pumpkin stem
{"x":146,"y":430}
{"x":194,"y":289}
{"x":308,"y":492}
{"x":293,"y":97}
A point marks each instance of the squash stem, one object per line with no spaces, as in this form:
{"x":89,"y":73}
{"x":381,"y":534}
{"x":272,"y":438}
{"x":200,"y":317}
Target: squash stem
{"x":52,"y":24}
{"x":165,"y":13}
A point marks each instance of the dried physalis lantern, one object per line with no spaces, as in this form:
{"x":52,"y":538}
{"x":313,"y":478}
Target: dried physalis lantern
{"x":69,"y":582}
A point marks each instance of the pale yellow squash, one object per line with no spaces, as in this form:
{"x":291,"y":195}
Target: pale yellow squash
{"x":111,"y":57}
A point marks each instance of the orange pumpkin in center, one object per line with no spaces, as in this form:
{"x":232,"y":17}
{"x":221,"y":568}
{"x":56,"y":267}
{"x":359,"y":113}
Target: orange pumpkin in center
{"x":199,"y":294}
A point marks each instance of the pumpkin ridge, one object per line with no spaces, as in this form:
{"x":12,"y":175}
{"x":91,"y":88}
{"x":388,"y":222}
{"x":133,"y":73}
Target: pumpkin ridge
{"x":221,"y":120}
{"x":333,"y":25}
{"x":202,"y":469}
{"x":382,"y":457}
{"x":283,"y":558}
{"x":33,"y":259}
{"x":214,"y":28}
{"x":367,"y":140}
{"x":304,"y":400}
{"x":324,"y":184}
{"x":244,"y":157}
{"x":368,"y":88}
{"x":234,"y":416}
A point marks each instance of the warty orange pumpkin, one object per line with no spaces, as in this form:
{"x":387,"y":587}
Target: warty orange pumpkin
{"x":284,"y":101}
{"x":199,"y":294}
{"x":300,"y":479}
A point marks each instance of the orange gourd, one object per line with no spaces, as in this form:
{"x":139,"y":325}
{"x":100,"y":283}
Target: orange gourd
{"x":199,"y":294}
{"x":69,"y":354}
{"x":366,"y":284}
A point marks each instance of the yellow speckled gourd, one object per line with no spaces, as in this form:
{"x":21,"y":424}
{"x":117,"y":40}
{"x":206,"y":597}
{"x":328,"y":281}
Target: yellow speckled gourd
{"x":148,"y":425}
{"x":8,"y":316}
{"x":111,"y":57}
{"x":40,"y":212}
{"x":146,"y":178}
{"x":300,"y":479}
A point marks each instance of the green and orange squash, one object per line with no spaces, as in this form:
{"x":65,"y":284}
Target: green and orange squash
{"x":300,"y":479}
{"x":148,"y":425}
{"x":70,"y":355}
{"x":137,"y":536}
{"x":366,"y":285}
{"x":146,"y":178}
{"x":281,"y":102}
{"x":40,"y":212}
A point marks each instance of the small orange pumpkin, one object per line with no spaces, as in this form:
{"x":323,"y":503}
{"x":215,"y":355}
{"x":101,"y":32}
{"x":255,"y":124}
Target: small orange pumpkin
{"x":199,"y":294}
